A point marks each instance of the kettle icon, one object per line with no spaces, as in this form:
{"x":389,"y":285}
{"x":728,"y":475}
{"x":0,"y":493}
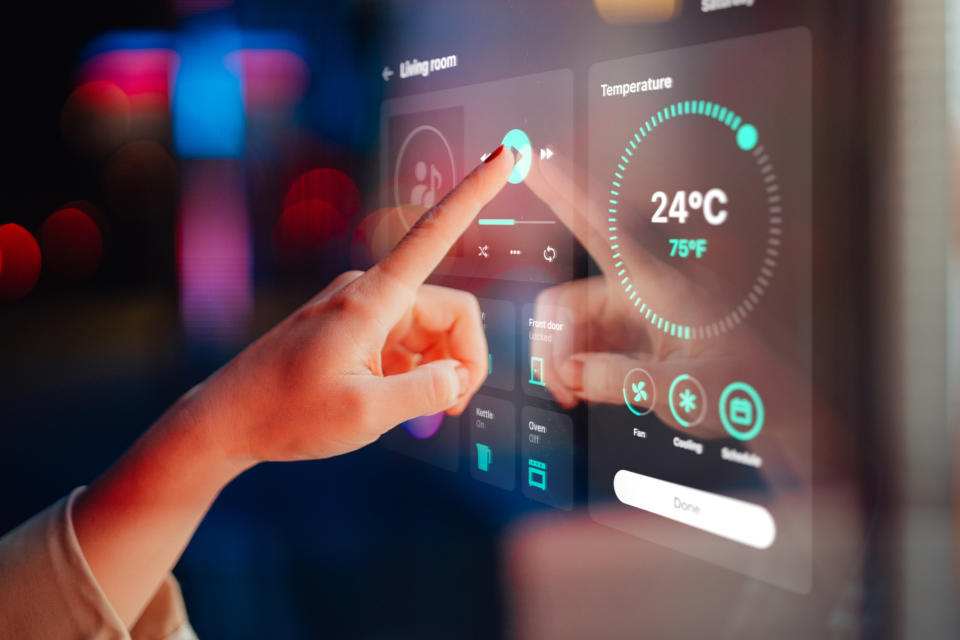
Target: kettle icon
{"x":484,"y":457}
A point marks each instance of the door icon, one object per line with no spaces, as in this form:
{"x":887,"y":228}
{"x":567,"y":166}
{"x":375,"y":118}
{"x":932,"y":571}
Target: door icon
{"x":536,"y":371}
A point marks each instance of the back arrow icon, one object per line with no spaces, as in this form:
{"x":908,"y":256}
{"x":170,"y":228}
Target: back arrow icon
{"x":386,"y":73}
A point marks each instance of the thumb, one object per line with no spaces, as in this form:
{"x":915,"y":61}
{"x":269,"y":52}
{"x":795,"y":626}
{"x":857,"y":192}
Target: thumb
{"x":601,"y":378}
{"x":427,"y":389}
{"x":597,"y":377}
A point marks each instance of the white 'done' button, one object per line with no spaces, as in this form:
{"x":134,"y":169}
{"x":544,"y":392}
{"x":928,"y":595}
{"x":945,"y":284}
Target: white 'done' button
{"x":736,"y":520}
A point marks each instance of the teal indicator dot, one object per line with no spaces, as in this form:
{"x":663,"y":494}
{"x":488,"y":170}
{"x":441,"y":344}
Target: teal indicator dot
{"x":518,"y":141}
{"x":747,"y":137}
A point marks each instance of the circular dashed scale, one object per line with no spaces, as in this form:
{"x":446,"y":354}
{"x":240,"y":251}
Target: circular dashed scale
{"x":747,"y":139}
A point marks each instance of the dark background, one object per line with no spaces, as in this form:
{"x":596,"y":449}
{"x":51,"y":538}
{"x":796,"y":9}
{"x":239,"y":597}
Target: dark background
{"x":343,"y":547}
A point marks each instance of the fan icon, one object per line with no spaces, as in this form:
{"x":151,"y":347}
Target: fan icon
{"x":639,"y":392}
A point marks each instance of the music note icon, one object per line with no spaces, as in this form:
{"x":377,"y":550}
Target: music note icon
{"x":424,"y":194}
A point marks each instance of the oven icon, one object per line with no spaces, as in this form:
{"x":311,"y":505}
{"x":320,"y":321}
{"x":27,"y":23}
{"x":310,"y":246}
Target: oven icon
{"x":537,"y":474}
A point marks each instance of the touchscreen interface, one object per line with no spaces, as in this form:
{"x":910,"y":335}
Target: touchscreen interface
{"x":644,"y":281}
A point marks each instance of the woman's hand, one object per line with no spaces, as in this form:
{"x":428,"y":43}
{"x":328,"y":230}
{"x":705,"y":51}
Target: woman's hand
{"x":368,"y":352}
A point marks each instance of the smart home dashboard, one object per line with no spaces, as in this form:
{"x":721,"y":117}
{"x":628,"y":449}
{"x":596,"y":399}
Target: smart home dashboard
{"x":645,"y":286}
{"x":432,"y":139}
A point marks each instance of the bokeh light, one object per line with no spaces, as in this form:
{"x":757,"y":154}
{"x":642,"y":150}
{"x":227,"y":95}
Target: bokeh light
{"x":150,"y":118}
{"x":96,"y":214}
{"x":317,"y":208}
{"x":21,"y":262}
{"x":96,"y":118}
{"x":72,"y":245}
{"x":638,"y":11}
{"x":380,"y":232}
{"x":305,"y":227}
{"x":272,"y":78}
{"x":328,"y":185}
{"x":214,"y":259}
{"x":137,"y":71}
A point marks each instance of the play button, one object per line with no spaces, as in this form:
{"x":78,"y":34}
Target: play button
{"x":518,"y":142}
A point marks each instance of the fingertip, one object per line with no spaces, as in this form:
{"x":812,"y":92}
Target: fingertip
{"x":571,"y":373}
{"x":500,"y":162}
{"x":493,"y":155}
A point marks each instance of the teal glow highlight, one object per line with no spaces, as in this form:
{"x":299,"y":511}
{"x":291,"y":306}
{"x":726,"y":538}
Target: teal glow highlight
{"x":747,"y":137}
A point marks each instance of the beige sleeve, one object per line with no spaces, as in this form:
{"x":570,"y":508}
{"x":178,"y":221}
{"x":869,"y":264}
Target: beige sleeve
{"x":48,"y":592}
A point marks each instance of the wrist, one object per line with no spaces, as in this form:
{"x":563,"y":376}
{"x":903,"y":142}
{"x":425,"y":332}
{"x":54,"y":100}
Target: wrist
{"x":193,"y":432}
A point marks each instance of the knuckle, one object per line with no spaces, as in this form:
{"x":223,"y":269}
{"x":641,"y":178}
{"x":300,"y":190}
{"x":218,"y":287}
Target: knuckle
{"x":357,"y":405}
{"x":350,"y":301}
{"x":463,"y":302}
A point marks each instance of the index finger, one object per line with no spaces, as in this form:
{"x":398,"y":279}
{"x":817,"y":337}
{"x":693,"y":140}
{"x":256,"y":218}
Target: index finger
{"x":429,"y":240}
{"x":613,"y":251}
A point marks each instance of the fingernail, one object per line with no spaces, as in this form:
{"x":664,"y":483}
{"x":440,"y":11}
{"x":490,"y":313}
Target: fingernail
{"x":464,"y":377}
{"x":571,"y":373}
{"x":493,"y":154}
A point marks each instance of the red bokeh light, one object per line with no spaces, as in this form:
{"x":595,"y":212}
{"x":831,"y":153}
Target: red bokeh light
{"x":328,"y":185}
{"x":96,"y":118}
{"x":305,"y":227}
{"x":135,"y":71}
{"x":21,"y":262}
{"x":72,"y":245}
{"x":379,"y":232}
{"x":95,"y":214}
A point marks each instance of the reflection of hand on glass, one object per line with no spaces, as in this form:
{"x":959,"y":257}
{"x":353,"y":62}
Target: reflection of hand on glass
{"x":609,"y":337}
{"x":368,"y":352}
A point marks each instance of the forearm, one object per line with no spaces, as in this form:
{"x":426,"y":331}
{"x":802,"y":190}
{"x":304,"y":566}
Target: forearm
{"x":134,"y":522}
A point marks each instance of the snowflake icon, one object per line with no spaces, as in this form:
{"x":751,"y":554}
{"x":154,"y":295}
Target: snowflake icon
{"x":688,"y":401}
{"x":639,"y":393}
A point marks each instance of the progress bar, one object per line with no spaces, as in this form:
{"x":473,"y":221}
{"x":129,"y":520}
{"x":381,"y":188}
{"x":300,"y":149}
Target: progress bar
{"x":509,"y":222}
